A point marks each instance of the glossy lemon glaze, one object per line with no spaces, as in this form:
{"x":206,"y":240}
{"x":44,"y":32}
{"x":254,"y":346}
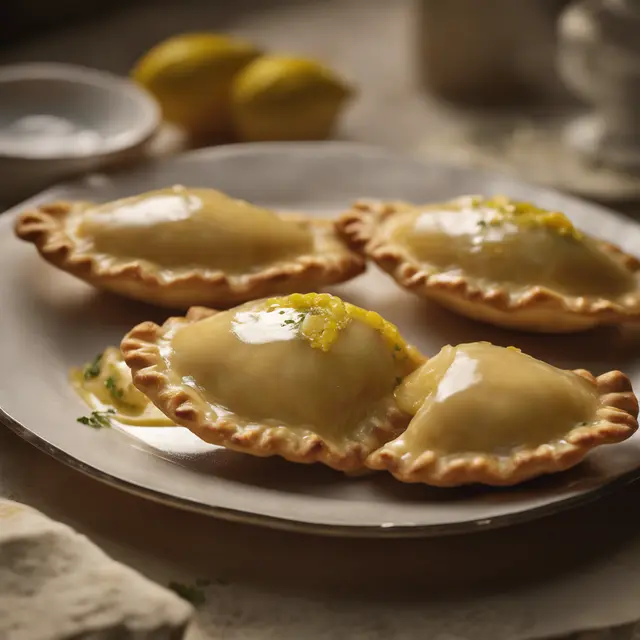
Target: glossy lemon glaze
{"x":481,"y":399}
{"x":106,"y":384}
{"x":180,"y":227}
{"x":518,"y":244}
{"x":269,"y":362}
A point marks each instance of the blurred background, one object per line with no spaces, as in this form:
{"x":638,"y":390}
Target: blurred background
{"x":545,"y":89}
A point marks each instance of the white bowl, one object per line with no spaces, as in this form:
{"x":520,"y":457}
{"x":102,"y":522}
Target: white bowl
{"x":58,"y":121}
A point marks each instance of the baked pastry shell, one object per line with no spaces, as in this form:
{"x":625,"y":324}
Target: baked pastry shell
{"x":141,"y":352}
{"x":540,"y":309}
{"x":44,"y":227}
{"x":615,"y":420}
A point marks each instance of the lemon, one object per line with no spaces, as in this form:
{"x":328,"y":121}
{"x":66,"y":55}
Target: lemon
{"x":285,"y":98}
{"x":191,"y":77}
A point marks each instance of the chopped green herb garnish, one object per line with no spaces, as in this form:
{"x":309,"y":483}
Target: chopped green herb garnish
{"x":297,"y":321}
{"x":92,"y":370}
{"x":482,"y":223}
{"x":398,"y":380}
{"x":397,"y":347}
{"x":110,"y":383}
{"x":194,"y":595}
{"x":97,"y":419}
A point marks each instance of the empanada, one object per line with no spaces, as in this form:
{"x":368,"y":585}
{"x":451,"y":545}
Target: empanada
{"x":307,"y":377}
{"x":504,"y":262}
{"x":180,"y":247}
{"x":493,"y":415}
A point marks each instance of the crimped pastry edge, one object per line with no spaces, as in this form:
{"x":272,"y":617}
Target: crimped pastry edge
{"x":140,"y":350}
{"x":539,"y":309}
{"x":615,"y":420}
{"x":44,"y":227}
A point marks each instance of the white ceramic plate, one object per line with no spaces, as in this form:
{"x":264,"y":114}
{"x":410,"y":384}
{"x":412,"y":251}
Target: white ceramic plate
{"x":51,"y":322}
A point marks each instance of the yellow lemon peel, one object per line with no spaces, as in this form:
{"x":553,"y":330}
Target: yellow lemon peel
{"x":325,"y":316}
{"x":525,"y":214}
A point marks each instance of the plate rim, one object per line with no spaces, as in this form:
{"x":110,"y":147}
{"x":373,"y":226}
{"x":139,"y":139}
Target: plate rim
{"x":291,"y":525}
{"x":278,"y":522}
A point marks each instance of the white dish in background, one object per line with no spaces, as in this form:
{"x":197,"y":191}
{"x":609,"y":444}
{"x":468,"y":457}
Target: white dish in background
{"x":59,"y":120}
{"x":51,"y":322}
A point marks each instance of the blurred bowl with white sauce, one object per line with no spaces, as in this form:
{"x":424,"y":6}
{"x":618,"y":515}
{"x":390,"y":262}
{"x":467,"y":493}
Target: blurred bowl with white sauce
{"x":59,"y":121}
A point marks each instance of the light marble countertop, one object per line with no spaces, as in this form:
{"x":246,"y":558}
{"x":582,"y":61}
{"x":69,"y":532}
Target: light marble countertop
{"x":577,"y":570}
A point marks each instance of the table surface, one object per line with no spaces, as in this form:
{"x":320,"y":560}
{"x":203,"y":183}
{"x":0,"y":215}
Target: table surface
{"x":579,"y":569}
{"x":529,"y":580}
{"x":375,"y":44}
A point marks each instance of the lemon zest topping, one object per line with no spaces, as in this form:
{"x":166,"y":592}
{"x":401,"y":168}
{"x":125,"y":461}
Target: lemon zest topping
{"x":324,"y":316}
{"x":525,"y":214}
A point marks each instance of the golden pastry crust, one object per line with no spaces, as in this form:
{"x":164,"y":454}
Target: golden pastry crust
{"x":615,"y":420}
{"x":540,"y":309}
{"x":330,"y":263}
{"x":183,"y":405}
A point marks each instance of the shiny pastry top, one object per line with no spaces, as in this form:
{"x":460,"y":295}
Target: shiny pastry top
{"x":181,"y":247}
{"x":499,"y":260}
{"x":495,"y":415}
{"x":305,"y":376}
